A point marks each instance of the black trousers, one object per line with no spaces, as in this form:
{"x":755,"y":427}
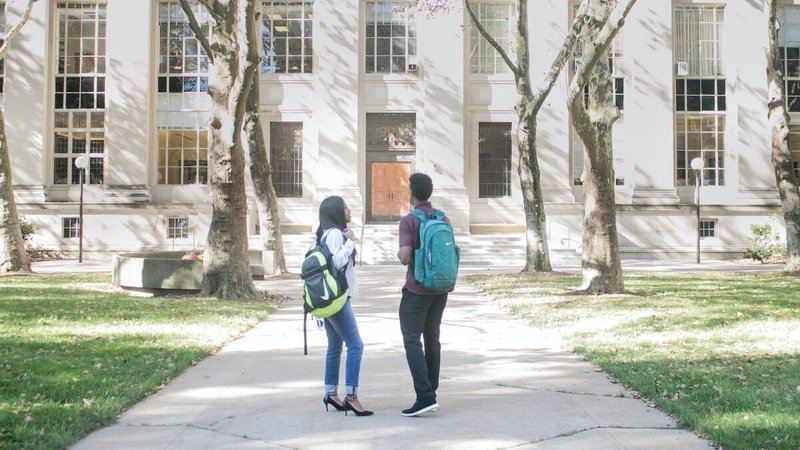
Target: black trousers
{"x":421,"y":315}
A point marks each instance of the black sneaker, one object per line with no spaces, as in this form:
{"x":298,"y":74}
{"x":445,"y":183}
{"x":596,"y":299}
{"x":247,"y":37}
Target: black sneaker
{"x":420,"y":407}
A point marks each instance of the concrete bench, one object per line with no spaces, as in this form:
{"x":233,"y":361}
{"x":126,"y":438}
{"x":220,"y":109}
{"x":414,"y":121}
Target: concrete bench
{"x":166,"y":270}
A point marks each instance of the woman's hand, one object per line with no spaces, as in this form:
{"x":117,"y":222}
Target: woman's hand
{"x":348,"y":233}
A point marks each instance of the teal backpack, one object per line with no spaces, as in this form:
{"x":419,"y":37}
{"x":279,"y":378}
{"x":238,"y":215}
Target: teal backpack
{"x":436,"y":260}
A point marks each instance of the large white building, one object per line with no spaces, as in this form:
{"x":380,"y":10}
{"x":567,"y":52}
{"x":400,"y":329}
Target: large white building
{"x":358,"y":94}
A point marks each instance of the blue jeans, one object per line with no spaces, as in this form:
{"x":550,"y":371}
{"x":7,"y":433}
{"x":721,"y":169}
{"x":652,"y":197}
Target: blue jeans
{"x":342,"y":327}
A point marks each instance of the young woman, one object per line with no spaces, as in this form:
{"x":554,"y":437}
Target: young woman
{"x":341,"y":327}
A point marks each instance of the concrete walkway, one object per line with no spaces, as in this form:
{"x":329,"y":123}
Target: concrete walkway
{"x":504,"y":385}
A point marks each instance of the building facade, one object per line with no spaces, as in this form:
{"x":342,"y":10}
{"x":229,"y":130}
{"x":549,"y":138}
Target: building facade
{"x":358,"y":94}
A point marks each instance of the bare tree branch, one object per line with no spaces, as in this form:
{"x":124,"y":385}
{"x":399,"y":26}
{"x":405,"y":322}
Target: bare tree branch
{"x":17,"y":28}
{"x":198,"y":32}
{"x":599,"y":49}
{"x":563,"y":55}
{"x":490,"y":39}
{"x":212,"y":5}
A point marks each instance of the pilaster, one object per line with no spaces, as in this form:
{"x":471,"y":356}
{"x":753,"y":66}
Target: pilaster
{"x":128,"y":83}
{"x":27,"y":96}
{"x":649,"y":114}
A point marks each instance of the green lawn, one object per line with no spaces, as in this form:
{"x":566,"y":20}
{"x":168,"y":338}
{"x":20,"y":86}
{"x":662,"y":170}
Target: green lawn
{"x":720,"y":352}
{"x":74,"y":352}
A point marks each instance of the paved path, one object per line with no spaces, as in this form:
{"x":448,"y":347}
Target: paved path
{"x":504,"y":385}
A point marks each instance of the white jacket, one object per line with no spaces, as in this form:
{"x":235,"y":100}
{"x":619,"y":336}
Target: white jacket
{"x":341,"y":252}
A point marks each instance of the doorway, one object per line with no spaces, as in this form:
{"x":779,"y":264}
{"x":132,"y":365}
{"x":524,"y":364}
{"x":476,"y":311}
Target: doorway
{"x":389,"y":195}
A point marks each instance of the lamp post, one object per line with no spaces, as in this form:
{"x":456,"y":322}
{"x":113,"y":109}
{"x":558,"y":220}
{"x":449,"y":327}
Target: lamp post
{"x":697,"y":165}
{"x":81,"y":162}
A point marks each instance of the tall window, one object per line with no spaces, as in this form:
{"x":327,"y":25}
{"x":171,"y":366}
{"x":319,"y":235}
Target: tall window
{"x":80,"y":91}
{"x":494,"y":159}
{"x":391,"y":36}
{"x":286,"y":35}
{"x":183,"y":103}
{"x":496,"y":20}
{"x":794,"y":147}
{"x":286,"y":158}
{"x":789,"y":48}
{"x":700,"y":100}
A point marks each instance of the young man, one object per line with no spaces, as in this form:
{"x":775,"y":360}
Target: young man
{"x":420,"y":310}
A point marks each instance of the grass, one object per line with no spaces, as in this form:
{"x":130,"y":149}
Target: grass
{"x":720,"y":352}
{"x":74,"y":352}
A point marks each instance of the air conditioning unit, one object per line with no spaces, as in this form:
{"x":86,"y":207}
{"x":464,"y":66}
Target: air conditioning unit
{"x":682,"y":68}
{"x":412,"y":64}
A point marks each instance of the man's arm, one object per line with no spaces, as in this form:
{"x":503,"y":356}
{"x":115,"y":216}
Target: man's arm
{"x":404,"y":255}
{"x":406,"y":243}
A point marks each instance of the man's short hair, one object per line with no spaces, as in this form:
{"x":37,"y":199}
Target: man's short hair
{"x":421,"y":186}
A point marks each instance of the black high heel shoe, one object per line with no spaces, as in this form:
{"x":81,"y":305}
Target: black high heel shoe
{"x":349,"y":407}
{"x":327,"y":400}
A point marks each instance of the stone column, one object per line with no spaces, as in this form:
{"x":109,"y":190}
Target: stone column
{"x":649,"y":115}
{"x":27,"y":99}
{"x":440,"y":145}
{"x":128,"y":94}
{"x":548,"y":25}
{"x":749,"y":170}
{"x":338,"y":166}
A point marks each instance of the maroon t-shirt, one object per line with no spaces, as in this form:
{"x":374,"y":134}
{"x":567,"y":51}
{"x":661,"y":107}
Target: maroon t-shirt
{"x":409,"y":237}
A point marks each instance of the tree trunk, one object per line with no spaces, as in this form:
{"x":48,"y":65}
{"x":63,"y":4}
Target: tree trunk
{"x":537,"y":256}
{"x":261,"y":173}
{"x":226,"y":264}
{"x":13,"y":257}
{"x":785,"y":176}
{"x":600,"y":262}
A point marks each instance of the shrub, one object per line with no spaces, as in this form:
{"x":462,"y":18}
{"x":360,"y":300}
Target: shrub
{"x":35,"y":253}
{"x":764,"y":244}
{"x":27,"y":230}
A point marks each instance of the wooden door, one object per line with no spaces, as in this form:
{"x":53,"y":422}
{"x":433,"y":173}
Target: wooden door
{"x":389,"y":196}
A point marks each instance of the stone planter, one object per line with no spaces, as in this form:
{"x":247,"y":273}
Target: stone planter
{"x":166,"y":270}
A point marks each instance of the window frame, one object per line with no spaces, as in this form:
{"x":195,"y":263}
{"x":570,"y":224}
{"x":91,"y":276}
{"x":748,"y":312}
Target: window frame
{"x":484,"y":188}
{"x":506,"y":73}
{"x":175,"y":229}
{"x":70,"y":227}
{"x":709,"y":232}
{"x":715,"y":172}
{"x":64,"y":82}
{"x":293,"y":179}
{"x":410,"y":58}
{"x":181,"y":116}
{"x":308,"y":41}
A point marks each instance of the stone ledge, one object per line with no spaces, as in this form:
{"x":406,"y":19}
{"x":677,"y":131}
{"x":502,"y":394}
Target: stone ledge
{"x":167,"y":271}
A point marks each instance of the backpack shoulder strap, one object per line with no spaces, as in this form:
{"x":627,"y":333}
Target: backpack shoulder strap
{"x":419,"y":215}
{"x":438,"y":214}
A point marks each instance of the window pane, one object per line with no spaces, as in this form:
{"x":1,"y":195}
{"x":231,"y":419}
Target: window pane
{"x":494,"y":159}
{"x":286,"y":158}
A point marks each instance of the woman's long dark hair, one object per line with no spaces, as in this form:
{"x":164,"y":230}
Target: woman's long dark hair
{"x":331,"y":215}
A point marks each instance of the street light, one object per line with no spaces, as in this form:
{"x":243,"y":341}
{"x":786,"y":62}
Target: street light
{"x":697,"y":165}
{"x":81,"y":162}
